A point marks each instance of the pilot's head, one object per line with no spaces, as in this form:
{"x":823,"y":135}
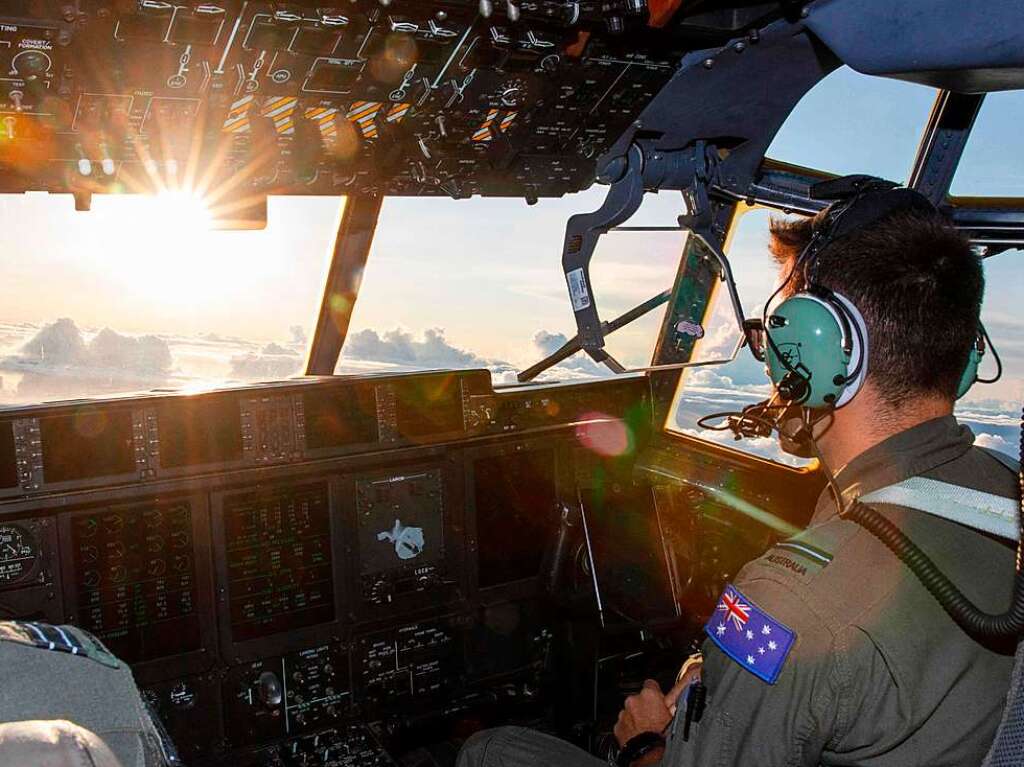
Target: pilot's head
{"x":918,"y":285}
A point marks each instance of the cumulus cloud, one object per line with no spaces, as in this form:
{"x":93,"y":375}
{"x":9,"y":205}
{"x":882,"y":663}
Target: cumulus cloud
{"x":765,"y":447}
{"x":62,"y":345}
{"x":548,"y":343}
{"x":59,"y":360}
{"x":995,"y":442}
{"x":402,"y":348}
{"x":272,"y":361}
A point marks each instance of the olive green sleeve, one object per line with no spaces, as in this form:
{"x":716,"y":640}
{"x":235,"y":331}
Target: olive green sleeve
{"x":747,"y":721}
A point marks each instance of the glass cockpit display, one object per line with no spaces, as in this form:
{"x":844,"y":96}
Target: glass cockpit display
{"x":516,"y":498}
{"x":90,"y":443}
{"x":135,"y":578}
{"x":279,"y":563}
{"x":401,"y":522}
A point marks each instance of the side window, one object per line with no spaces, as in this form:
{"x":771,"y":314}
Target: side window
{"x":993,"y":164}
{"x":839,"y":126}
{"x":993,"y":411}
{"x":732,"y":386}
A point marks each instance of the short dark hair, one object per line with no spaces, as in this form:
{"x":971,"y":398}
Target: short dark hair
{"x":918,"y":284}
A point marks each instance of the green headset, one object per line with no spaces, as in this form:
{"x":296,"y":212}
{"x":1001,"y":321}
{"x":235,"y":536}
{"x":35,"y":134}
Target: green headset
{"x":815,"y":342}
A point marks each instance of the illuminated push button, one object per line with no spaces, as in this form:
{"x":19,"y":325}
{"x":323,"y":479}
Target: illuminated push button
{"x":269,"y":689}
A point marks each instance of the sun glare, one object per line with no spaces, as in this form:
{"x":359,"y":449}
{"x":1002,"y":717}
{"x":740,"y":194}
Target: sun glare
{"x":185,"y":208}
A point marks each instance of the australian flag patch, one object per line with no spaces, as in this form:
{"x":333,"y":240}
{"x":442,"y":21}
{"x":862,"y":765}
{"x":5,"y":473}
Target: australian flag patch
{"x":750,"y":636}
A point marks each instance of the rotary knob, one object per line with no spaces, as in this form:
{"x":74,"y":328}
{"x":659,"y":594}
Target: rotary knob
{"x":268,"y":689}
{"x":31,"y":64}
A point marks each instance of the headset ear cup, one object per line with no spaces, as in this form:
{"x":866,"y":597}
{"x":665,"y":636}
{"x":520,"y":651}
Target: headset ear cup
{"x":859,"y":350}
{"x":808,"y":350}
{"x":970,"y":374}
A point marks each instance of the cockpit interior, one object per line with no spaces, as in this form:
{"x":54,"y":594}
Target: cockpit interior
{"x":355,"y":566}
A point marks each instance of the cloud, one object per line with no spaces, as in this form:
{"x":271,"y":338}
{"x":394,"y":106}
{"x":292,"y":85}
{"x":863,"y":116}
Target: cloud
{"x":58,"y":361}
{"x":578,"y":365}
{"x":148,"y":354}
{"x":272,"y":361}
{"x":765,"y":447}
{"x":995,"y":442}
{"x":402,"y":348}
{"x":707,"y":382}
{"x":61,"y":345}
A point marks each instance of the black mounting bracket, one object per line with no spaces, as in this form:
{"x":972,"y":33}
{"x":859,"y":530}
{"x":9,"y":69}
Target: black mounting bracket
{"x":642,"y":168}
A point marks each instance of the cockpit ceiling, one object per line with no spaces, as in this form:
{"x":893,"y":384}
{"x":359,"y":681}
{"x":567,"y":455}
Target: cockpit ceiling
{"x":236,"y":100}
{"x":408,"y":98}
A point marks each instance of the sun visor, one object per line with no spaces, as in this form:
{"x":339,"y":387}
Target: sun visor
{"x":959,"y":45}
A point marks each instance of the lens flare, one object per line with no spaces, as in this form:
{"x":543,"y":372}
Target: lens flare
{"x":606,"y":436}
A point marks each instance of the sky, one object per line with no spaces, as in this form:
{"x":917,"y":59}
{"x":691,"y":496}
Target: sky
{"x":138,"y":293}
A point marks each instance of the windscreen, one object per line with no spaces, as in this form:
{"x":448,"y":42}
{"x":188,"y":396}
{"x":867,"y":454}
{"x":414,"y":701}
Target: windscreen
{"x":139,"y":294}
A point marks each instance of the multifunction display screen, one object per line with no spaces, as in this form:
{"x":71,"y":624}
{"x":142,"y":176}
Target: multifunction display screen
{"x":340,"y":417}
{"x":427,"y":406}
{"x":135,"y":579}
{"x":401,"y":521}
{"x":198,"y":431}
{"x":8,"y":456}
{"x":516,"y":514}
{"x":90,"y":443}
{"x":278,"y":553}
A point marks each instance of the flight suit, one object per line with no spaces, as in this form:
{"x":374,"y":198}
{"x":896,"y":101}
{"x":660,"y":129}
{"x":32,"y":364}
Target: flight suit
{"x":59,"y":673}
{"x":877,"y":675}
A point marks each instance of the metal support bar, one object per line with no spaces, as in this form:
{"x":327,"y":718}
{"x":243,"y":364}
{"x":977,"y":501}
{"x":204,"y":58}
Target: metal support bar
{"x":646,"y":229}
{"x":581,"y":235}
{"x":990,"y":221}
{"x":573,"y":345}
{"x":351,"y":247}
{"x":942,"y":145}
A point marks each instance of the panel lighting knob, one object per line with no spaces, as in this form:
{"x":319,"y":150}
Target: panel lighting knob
{"x":31,"y":63}
{"x":268,"y":688}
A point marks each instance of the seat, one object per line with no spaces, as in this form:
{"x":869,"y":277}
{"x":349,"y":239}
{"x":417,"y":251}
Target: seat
{"x":53,"y":743}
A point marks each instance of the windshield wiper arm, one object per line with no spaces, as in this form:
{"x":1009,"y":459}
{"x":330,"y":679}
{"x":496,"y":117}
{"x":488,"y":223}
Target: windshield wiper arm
{"x":574,"y":345}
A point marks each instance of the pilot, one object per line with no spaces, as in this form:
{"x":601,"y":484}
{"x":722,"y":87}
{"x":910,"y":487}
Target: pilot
{"x":827,"y":649}
{"x":66,"y":701}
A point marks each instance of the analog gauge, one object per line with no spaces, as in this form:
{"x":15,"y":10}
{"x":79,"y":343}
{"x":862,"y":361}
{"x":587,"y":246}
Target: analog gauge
{"x":513,"y":92}
{"x":18,"y":554}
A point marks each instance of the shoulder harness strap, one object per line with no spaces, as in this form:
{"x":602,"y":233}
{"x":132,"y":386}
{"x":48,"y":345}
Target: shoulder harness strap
{"x":988,"y":512}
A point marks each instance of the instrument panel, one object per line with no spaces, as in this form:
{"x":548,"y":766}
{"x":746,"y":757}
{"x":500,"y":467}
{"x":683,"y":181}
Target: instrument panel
{"x":448,"y":97}
{"x":306,"y":573}
{"x":273,"y":585}
{"x":135,"y":579}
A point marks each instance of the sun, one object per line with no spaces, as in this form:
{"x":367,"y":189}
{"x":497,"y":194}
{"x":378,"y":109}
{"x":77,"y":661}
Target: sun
{"x":186,"y":208}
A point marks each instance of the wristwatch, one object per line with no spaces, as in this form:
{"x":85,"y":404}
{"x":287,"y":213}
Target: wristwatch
{"x":638,"y":747}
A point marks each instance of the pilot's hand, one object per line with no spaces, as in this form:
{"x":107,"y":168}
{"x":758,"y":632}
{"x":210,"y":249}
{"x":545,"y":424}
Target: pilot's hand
{"x":644,"y":712}
{"x":689,"y":673}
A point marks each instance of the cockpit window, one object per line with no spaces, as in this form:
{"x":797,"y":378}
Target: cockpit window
{"x":836,"y":126}
{"x":730,"y":387}
{"x":993,"y":164}
{"x":137,"y":294}
{"x":478,"y":283}
{"x":993,"y":411}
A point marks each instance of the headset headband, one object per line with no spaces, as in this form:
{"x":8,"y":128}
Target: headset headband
{"x":858,"y":202}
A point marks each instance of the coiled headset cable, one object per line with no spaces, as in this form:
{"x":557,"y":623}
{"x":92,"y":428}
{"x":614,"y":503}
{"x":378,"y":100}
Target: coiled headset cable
{"x":965,"y":613}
